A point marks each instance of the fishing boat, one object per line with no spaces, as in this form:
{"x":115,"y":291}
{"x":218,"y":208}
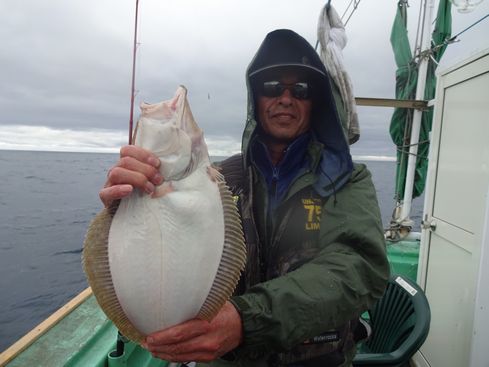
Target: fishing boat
{"x":449,"y":258}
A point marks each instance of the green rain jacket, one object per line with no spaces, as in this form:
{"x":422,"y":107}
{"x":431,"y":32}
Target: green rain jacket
{"x":318,"y":261}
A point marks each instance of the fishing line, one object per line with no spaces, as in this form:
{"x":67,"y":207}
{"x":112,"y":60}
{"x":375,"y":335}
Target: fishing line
{"x":139,"y":54}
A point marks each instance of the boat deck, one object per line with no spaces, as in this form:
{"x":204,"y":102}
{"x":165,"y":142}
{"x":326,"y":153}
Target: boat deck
{"x":403,"y":256}
{"x":80,"y":335}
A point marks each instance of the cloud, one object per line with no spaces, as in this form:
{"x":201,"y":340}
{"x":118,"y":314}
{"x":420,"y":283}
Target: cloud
{"x":44,"y":138}
{"x":24,"y":137}
{"x":67,"y":64}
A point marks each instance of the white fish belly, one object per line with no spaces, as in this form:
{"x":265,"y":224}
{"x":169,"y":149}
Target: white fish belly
{"x":164,"y":252}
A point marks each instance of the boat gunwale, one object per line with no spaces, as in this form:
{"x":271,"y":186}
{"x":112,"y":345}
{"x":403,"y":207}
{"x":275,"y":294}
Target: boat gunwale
{"x":28,"y":339}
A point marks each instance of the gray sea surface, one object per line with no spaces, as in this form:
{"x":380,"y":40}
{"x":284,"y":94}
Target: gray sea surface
{"x":47,"y":200}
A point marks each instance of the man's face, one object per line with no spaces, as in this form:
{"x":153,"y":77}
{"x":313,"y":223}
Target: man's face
{"x":284,"y":117}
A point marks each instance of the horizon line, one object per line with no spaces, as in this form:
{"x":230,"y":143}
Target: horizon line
{"x":359,"y":157}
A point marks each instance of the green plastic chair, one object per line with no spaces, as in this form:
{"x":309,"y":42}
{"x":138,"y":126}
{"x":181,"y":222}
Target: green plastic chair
{"x":400,"y":322}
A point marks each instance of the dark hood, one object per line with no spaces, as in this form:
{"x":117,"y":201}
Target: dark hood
{"x":285,"y":49}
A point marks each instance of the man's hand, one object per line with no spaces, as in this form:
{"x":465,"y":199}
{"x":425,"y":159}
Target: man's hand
{"x":136,"y":168}
{"x":198,"y":340}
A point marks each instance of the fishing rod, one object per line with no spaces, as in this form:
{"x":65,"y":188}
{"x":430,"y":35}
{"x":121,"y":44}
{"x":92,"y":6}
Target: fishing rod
{"x":131,"y":113}
{"x":121,"y":339}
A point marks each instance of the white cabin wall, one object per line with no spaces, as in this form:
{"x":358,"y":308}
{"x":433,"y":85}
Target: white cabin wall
{"x":455,"y":206}
{"x":479,"y":355}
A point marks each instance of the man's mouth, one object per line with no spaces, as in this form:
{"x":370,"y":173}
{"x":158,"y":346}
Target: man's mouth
{"x":283,"y":115}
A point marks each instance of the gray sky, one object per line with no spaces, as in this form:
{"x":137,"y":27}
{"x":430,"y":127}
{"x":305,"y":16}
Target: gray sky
{"x":65,"y":66}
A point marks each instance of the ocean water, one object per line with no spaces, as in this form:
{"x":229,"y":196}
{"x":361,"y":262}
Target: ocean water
{"x":47,"y":200}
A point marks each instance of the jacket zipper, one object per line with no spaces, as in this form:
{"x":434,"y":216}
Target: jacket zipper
{"x":270,"y":223}
{"x":274,"y":186}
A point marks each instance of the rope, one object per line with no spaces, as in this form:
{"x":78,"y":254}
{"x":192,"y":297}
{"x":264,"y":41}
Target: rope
{"x":408,"y":153}
{"x":418,"y":30}
{"x":434,"y":48}
{"x":348,"y":7}
{"x":466,"y":29}
{"x":355,"y":6}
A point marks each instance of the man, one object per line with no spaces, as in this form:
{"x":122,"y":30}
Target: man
{"x":316,"y":253}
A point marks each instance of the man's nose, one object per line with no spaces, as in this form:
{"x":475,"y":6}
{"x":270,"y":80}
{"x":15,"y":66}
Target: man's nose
{"x":286,"y":97}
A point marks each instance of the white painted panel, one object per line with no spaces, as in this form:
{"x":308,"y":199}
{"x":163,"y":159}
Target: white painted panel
{"x":455,"y":202}
{"x":450,"y":288}
{"x":480,"y":351}
{"x":462,"y":165}
{"x":418,"y":360}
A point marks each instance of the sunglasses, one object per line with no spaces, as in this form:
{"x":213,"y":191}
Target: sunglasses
{"x":300,"y":90}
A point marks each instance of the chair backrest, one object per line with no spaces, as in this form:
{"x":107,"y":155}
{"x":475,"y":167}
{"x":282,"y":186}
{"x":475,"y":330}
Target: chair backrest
{"x":400,"y":323}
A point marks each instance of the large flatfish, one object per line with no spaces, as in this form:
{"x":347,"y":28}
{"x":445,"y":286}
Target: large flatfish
{"x":154,"y":261}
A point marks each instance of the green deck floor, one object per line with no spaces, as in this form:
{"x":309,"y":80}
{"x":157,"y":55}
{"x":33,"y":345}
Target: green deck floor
{"x":84,"y":338}
{"x":403,"y":257}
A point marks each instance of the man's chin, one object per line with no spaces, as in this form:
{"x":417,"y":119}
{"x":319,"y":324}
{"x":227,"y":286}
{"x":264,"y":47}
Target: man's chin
{"x":282,"y":138}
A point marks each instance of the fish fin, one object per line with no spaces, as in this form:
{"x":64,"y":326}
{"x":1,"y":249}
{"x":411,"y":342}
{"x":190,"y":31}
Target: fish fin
{"x":233,"y":256}
{"x":95,"y":260}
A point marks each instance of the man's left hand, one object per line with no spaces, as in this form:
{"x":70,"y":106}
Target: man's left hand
{"x":198,"y":340}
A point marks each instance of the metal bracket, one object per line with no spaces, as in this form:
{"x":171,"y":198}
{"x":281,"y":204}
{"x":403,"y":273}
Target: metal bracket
{"x":429,"y":224}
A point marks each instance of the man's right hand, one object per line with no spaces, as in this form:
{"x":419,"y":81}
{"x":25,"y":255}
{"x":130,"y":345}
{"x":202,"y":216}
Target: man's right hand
{"x":136,"y":168}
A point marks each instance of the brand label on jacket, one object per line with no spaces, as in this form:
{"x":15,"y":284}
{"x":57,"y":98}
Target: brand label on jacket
{"x":312,"y":206}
